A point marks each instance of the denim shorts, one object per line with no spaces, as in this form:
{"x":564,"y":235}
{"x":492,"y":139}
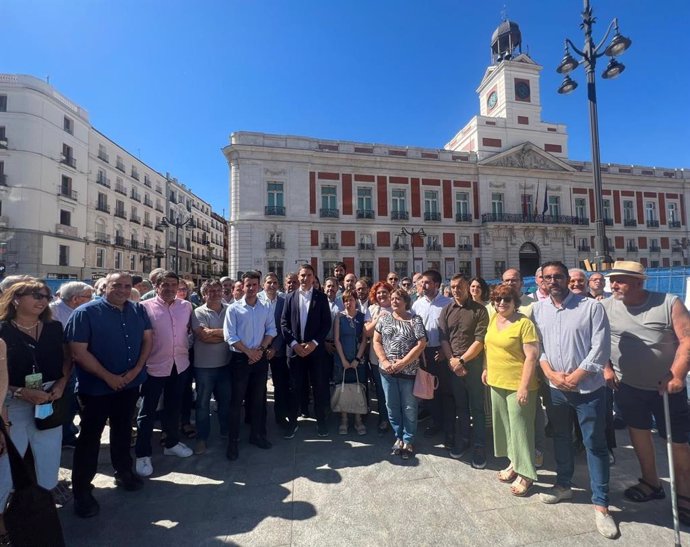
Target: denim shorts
{"x":637,"y":406}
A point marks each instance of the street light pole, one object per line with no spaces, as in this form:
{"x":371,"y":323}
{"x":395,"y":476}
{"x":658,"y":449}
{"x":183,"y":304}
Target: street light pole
{"x":589,"y":56}
{"x":167,"y":223}
{"x":412,"y":232}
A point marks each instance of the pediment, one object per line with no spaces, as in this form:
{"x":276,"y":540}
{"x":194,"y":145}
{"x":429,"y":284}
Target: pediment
{"x":527,"y":156}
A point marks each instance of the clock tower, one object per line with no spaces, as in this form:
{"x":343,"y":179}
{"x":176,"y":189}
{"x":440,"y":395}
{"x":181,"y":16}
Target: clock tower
{"x":509,"y":103}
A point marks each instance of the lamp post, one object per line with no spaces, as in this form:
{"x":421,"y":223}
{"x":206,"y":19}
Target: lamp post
{"x":412,"y":232}
{"x":177,"y":224}
{"x":588,"y":57}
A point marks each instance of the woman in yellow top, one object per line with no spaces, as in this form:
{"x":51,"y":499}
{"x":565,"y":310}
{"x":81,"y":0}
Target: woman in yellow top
{"x":512,"y":349}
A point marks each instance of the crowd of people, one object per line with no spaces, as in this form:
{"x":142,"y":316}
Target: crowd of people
{"x":131,"y":351}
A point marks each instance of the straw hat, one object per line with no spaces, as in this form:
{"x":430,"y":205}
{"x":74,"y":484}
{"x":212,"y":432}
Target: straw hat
{"x":627,"y":267}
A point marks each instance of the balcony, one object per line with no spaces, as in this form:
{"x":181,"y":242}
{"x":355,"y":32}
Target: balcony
{"x":654,"y":249}
{"x":275,"y":245}
{"x":136,"y":196}
{"x":533,"y":219}
{"x":103,"y":207}
{"x":103,"y":156}
{"x":70,"y":161}
{"x":630,"y":222}
{"x":365,"y":213}
{"x":135,"y":175}
{"x":101,"y":237}
{"x":148,"y":223}
{"x":159,"y":208}
{"x":120,"y":240}
{"x":631,"y":248}
{"x":64,"y":230}
{"x":652,"y":223}
{"x":274,"y":210}
{"x":120,"y":165}
{"x":433,"y":247}
{"x":3,"y":143}
{"x":159,"y":189}
{"x":434,"y":215}
{"x":464,"y":247}
{"x":366,"y":247}
{"x":120,"y":213}
{"x":674,"y":223}
{"x":134,"y":243}
{"x":159,"y":228}
{"x":67,"y":193}
{"x":103,"y":181}
{"x":120,"y":189}
{"x":676,"y":248}
{"x":329,"y":213}
{"x":608,"y":222}
{"x":159,"y":248}
{"x":401,"y":247}
{"x":400,"y":215}
{"x":583,"y":248}
{"x":135,"y":218}
{"x":463,"y":217}
{"x":147,"y":246}
{"x":148,"y":202}
{"x":147,"y":181}
{"x":329,"y":246}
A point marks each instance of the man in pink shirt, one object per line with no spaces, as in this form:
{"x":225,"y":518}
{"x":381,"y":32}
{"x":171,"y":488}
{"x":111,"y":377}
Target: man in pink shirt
{"x":167,"y":368}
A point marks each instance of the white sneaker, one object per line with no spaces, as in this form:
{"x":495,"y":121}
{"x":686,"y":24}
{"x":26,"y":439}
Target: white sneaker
{"x":180,"y":450}
{"x":606,"y":525}
{"x":555,"y":494}
{"x":143,"y":466}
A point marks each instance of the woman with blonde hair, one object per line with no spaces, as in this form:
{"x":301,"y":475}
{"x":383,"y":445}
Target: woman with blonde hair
{"x":38,"y":368}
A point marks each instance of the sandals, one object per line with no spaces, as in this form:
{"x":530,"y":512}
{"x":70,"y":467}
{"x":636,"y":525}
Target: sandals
{"x":639,"y":494}
{"x":520,"y":486}
{"x":507,"y":475}
{"x":397,"y":448}
{"x":407,"y":452}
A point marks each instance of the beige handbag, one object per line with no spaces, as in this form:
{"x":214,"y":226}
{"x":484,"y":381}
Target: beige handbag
{"x":350,"y":398}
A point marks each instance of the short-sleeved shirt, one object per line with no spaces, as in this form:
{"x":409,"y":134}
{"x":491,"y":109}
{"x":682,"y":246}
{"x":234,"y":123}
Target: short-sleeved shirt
{"x":170,"y":342}
{"x":504,"y":354}
{"x":399,"y":338}
{"x":210,"y":355}
{"x":462,"y":324}
{"x":26,"y":355}
{"x":114,"y":337}
{"x":429,"y":310}
{"x":643,"y":341}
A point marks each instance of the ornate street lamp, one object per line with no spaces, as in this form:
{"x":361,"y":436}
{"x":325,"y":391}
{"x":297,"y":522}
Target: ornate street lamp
{"x":412,"y":232}
{"x":588,"y":57}
{"x":177,"y":224}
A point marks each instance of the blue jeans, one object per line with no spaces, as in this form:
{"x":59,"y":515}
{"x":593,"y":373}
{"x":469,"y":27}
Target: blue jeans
{"x":402,"y":406}
{"x":380,"y":394}
{"x":590,"y":409}
{"x":210,"y":381}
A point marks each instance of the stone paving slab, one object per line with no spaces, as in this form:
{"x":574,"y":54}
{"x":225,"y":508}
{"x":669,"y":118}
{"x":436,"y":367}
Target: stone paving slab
{"x":347,"y":490}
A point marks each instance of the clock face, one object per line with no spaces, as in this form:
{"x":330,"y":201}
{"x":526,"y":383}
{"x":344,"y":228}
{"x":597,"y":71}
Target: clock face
{"x":522,"y":90}
{"x":492,"y":100}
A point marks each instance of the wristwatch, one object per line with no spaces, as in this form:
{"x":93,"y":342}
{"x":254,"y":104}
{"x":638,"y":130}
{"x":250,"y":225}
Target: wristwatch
{"x":462,"y":361}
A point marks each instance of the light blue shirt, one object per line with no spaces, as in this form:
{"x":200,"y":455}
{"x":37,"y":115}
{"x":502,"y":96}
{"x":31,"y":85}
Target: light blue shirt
{"x":248,"y":324}
{"x":430,"y":311}
{"x":575,"y":335}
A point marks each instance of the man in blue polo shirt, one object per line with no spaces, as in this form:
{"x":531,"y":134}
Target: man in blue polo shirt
{"x":110,"y":339}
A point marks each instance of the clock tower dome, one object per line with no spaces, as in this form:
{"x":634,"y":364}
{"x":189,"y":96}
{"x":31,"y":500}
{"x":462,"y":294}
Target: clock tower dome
{"x":509,"y":103}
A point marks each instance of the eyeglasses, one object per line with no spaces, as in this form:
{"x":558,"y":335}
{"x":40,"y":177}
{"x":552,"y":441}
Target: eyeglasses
{"x":37,"y":295}
{"x":506,"y":299}
{"x":555,"y":277}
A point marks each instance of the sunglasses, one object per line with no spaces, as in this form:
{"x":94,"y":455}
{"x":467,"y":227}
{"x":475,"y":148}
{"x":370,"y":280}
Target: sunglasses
{"x":37,"y":295}
{"x":506,"y":299}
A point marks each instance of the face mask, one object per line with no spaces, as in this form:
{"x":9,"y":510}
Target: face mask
{"x":43,"y":411}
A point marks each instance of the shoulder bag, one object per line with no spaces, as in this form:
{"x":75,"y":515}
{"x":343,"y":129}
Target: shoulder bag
{"x":425,"y":383}
{"x":350,"y":398}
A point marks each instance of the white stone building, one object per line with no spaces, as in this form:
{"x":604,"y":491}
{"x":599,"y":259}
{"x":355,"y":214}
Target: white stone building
{"x":73,"y":203}
{"x":501,"y":193}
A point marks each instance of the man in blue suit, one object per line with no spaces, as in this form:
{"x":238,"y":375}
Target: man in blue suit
{"x":305,"y":323}
{"x":276,"y":354}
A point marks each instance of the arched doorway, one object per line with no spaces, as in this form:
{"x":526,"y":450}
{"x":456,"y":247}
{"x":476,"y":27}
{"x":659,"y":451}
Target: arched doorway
{"x":529,"y":259}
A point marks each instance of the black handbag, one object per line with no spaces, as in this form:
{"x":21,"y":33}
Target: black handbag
{"x":30,"y":517}
{"x":60,"y":414}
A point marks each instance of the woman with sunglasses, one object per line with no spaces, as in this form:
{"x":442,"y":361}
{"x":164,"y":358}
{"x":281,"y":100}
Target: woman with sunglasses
{"x":512,"y":346}
{"x":379,"y":305}
{"x":38,"y":367}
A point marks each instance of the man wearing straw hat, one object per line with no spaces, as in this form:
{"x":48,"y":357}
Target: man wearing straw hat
{"x":650,"y":353}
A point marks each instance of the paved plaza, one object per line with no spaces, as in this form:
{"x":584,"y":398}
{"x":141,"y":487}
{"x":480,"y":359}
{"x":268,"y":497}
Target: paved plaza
{"x":347,"y":490}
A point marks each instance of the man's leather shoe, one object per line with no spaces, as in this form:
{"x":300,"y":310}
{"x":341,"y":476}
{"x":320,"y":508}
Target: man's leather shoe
{"x":232,"y":452}
{"x":128,"y":481}
{"x":85,"y":505}
{"x":261,"y":442}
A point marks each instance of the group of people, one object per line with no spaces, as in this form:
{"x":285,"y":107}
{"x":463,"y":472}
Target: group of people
{"x":568,"y":349}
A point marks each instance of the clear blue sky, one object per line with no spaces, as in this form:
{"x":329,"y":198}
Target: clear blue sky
{"x":170,"y":80}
